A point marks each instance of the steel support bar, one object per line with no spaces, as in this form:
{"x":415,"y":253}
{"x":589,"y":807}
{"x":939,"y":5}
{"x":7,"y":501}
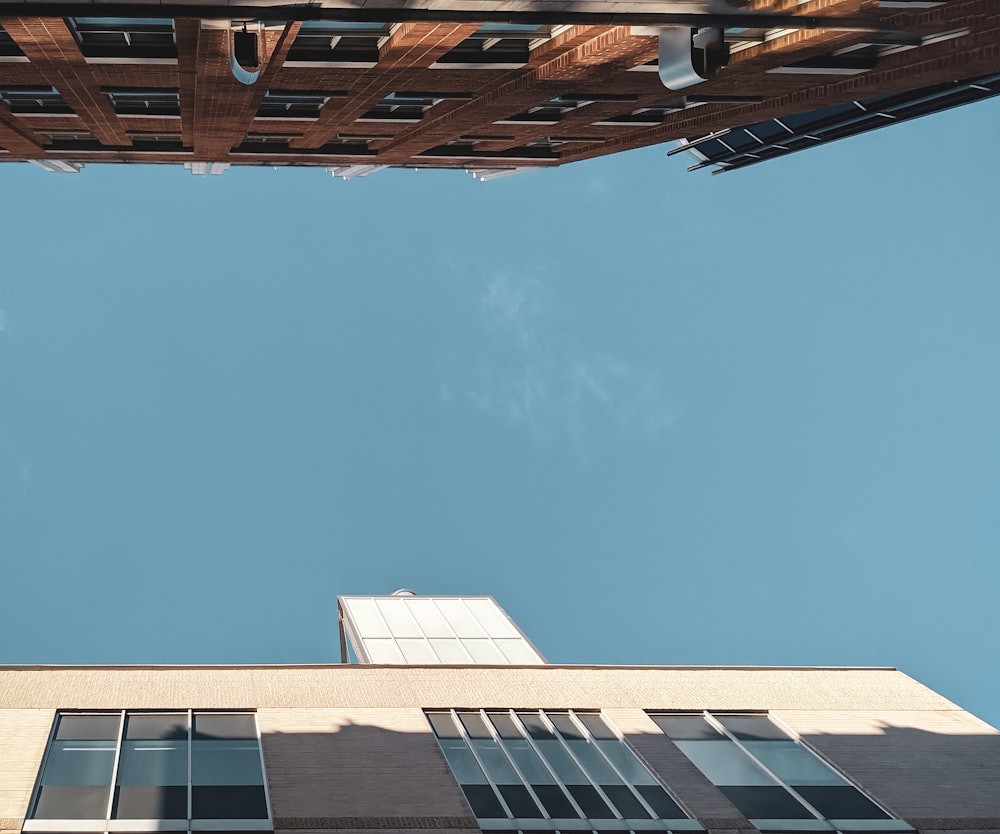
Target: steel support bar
{"x":285,"y":13}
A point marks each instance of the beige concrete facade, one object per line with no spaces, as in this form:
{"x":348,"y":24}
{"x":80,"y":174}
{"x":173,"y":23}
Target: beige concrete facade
{"x":348,"y":748}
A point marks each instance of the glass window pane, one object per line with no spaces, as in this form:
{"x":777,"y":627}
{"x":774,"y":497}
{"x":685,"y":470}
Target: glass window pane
{"x":168,"y":726}
{"x":518,"y":652}
{"x":236,"y":802}
{"x":752,"y":727}
{"x":724,"y":763}
{"x":593,"y":763}
{"x":504,"y":725}
{"x":564,"y":724}
{"x":367,"y":618}
{"x":463,"y":763}
{"x":151,"y":802}
{"x":564,"y":767}
{"x":520,"y":802}
{"x":626,"y":802}
{"x":793,"y":764}
{"x":634,"y":771}
{"x":843,"y":802}
{"x":443,"y":724}
{"x":597,"y":726}
{"x":484,"y":802}
{"x":765,"y":803}
{"x":557,"y":804}
{"x":527,"y":762}
{"x":590,"y":802}
{"x":153,"y":763}
{"x":81,"y":762}
{"x":687,"y":727}
{"x":535,"y":726}
{"x":230,"y":762}
{"x":224,"y":725}
{"x":93,"y":727}
{"x":449,"y":650}
{"x":495,"y":762}
{"x":474,"y":725}
{"x":660,"y":801}
{"x":72,"y":802}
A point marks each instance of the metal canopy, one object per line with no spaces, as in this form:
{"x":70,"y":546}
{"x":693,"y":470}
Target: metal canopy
{"x":739,"y":147}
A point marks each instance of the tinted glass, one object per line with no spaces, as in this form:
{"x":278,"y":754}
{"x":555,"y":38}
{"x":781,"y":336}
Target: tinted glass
{"x":634,"y":771}
{"x":752,"y":727}
{"x":88,"y":727}
{"x":71,"y":802}
{"x":724,"y":763}
{"x":463,"y":763}
{"x":564,"y":724}
{"x":474,"y":725}
{"x":163,"y":802}
{"x":770,"y":803}
{"x":228,"y":802}
{"x":148,"y":727}
{"x":505,"y":725}
{"x":534,"y":725}
{"x":79,"y":763}
{"x":443,"y":724}
{"x":231,"y":762}
{"x":520,"y":802}
{"x":560,"y":762}
{"x":686,"y":727}
{"x":484,"y":802}
{"x":222,"y":725}
{"x":556,"y":803}
{"x":148,"y":763}
{"x":596,"y":725}
{"x":527,"y":761}
{"x":494,"y":761}
{"x":590,"y":802}
{"x":626,"y":802}
{"x":841,"y":803}
{"x":659,"y":800}
{"x":793,"y":764}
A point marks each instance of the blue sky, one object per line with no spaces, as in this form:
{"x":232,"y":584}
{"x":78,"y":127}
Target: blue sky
{"x":663,"y":417}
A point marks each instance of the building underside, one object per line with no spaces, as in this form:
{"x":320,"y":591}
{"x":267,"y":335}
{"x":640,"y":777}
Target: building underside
{"x":490,"y":86}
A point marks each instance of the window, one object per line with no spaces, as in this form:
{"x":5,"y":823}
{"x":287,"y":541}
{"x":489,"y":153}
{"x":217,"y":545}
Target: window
{"x":768,"y":775}
{"x":72,"y":140}
{"x":162,"y":103}
{"x":337,"y":44}
{"x":549,"y":113}
{"x":155,"y":141}
{"x":124,"y":38}
{"x":568,"y":766}
{"x":35,"y":101}
{"x":654,"y":114}
{"x":402,"y":107}
{"x":497,"y":46}
{"x":265,"y":143}
{"x":295,"y":104}
{"x":8,"y":48}
{"x":185,"y":766}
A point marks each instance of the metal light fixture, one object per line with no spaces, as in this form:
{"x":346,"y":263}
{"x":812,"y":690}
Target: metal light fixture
{"x":244,"y":53}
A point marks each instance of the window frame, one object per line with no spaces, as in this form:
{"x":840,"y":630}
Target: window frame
{"x":582,"y":822}
{"x":819,"y":822}
{"x":127,"y":53}
{"x":111,"y":823}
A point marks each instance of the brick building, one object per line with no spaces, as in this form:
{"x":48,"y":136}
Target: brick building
{"x":486,"y":85}
{"x":421,"y":744}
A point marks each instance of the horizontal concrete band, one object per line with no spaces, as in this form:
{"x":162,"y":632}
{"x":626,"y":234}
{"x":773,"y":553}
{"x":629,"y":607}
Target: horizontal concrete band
{"x":347,"y":823}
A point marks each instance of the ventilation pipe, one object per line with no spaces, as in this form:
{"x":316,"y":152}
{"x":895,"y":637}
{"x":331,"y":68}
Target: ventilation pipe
{"x":244,"y":53}
{"x":690,"y":56}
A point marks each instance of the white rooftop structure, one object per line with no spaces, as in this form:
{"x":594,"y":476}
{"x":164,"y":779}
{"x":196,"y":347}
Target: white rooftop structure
{"x":407,"y":629}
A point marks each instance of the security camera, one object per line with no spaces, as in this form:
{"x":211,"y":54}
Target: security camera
{"x":690,"y":56}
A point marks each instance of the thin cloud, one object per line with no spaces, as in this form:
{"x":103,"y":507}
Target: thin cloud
{"x":532,"y":373}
